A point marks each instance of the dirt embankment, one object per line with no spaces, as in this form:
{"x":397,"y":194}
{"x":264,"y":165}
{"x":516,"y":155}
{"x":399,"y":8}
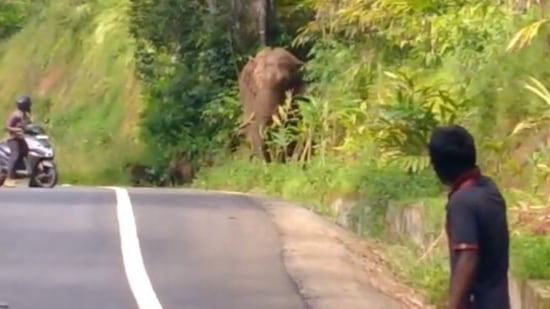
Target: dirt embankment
{"x":334,"y":268}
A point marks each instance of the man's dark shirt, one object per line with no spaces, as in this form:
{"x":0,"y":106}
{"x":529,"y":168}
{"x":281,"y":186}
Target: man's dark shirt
{"x":476,"y":220}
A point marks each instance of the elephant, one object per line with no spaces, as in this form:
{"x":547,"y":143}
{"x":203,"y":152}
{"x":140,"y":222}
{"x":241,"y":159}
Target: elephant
{"x":180,"y":171}
{"x":138,"y":174}
{"x":263,"y":83}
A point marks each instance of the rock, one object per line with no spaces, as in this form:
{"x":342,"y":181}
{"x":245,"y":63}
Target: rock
{"x":531,"y":294}
{"x":341,"y":209}
{"x":406,"y":221}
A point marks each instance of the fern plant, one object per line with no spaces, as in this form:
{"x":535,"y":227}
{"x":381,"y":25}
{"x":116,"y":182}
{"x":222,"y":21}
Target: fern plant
{"x":406,"y":119}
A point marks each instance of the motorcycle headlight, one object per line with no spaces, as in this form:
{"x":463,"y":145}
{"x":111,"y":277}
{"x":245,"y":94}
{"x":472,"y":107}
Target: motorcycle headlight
{"x":44,"y":142}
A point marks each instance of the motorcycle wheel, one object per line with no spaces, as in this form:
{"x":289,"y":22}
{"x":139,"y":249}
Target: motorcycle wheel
{"x":40,"y":180}
{"x":3,"y":175}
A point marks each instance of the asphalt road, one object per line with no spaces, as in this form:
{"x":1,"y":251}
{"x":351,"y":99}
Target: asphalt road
{"x":76,"y":247}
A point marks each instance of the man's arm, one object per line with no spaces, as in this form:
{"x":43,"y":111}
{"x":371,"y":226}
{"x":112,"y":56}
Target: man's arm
{"x":10,"y":124}
{"x":465,"y":270}
{"x":464,"y":233}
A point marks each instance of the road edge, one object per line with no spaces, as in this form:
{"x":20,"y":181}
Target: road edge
{"x":363,"y":268}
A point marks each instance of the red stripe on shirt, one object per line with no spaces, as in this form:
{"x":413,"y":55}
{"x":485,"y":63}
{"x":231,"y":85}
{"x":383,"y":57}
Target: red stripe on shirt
{"x":464,"y":246}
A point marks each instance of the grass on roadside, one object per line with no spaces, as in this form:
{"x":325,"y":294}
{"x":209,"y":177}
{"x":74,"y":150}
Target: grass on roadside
{"x":79,"y":64}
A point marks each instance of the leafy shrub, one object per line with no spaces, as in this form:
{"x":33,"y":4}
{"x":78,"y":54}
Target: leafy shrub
{"x":530,"y":256}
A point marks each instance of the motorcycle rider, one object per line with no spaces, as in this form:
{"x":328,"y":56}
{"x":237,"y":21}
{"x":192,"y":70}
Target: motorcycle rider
{"x":19,"y":149}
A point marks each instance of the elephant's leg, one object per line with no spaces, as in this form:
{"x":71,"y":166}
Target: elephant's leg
{"x":281,"y":157}
{"x":258,"y":145}
{"x":290,"y":148}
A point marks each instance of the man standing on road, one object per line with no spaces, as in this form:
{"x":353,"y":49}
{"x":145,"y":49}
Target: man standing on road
{"x":476,"y":223}
{"x":16,"y":141}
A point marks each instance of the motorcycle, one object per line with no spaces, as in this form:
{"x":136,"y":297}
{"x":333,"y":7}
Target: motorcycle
{"x":38,"y":165}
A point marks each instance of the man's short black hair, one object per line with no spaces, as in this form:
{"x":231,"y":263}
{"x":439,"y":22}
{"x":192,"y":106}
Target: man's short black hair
{"x":452,"y":152}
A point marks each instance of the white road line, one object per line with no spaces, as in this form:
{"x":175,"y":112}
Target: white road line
{"x":139,"y":281}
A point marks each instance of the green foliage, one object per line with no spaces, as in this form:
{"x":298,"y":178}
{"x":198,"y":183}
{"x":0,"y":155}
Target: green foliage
{"x":384,"y":74}
{"x":14,"y":14}
{"x":530,"y":256}
{"x":378,"y":186}
{"x":374,"y":186}
{"x":189,"y":67}
{"x":187,"y":74}
{"x":407,"y":118}
{"x":430,"y":277}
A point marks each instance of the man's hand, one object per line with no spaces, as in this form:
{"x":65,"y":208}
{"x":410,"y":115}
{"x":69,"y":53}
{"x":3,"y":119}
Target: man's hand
{"x":466,"y":267}
{"x":18,"y":132}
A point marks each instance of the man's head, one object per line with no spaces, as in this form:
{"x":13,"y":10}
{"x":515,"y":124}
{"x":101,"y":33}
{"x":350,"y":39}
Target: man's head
{"x":452,"y":152}
{"x":24,"y":103}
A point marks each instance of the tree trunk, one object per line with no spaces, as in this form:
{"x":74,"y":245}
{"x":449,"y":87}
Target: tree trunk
{"x":261,"y":13}
{"x":212,"y":7}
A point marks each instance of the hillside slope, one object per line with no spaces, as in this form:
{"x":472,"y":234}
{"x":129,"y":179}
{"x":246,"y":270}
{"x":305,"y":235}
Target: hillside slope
{"x":76,"y":61}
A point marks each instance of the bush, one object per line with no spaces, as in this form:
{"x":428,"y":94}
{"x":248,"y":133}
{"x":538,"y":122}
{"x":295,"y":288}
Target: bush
{"x":530,"y":256}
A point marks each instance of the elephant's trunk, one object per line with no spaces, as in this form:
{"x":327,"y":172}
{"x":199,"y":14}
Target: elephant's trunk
{"x":246,"y":123}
